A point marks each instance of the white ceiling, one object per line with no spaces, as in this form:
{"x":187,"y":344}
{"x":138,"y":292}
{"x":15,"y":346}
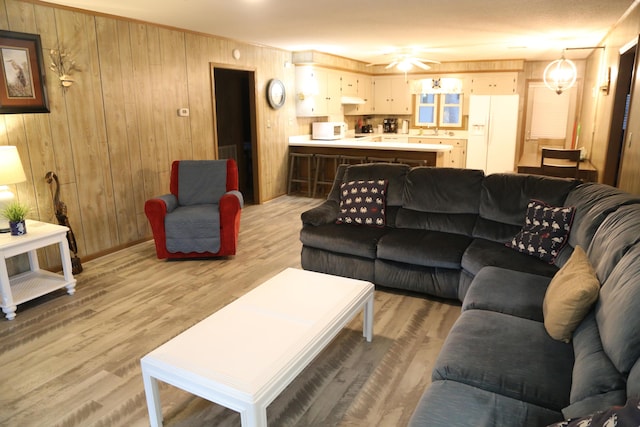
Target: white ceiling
{"x":367,"y":30}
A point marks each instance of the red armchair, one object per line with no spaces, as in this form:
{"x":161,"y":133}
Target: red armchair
{"x":200,"y":218}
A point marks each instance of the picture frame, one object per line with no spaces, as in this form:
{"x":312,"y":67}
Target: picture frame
{"x":22,"y":78}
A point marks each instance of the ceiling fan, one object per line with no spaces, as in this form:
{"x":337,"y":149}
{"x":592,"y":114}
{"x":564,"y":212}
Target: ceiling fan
{"x":406,"y":61}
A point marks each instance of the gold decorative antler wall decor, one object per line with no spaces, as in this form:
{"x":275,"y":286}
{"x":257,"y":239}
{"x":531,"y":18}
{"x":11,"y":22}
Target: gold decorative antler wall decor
{"x":63,"y":64}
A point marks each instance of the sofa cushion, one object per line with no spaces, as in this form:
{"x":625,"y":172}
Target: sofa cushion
{"x":337,"y":264}
{"x":593,"y":202}
{"x":482,"y":253}
{"x":619,"y":231}
{"x":421,"y":247}
{"x":617,"y":312}
{"x":544,"y":231}
{"x":450,"y":403}
{"x":443,"y":190}
{"x":507,"y":291}
{"x":570,"y":295}
{"x":596,"y":382}
{"x":437,"y":281}
{"x":508,"y":355}
{"x":504,"y":199}
{"x":363,"y":202}
{"x":343,"y":238}
{"x":449,"y":223}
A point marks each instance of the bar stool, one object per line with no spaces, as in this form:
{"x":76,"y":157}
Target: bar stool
{"x":381,"y":159}
{"x":323,"y":163}
{"x":295,"y":168}
{"x":414,"y":162}
{"x":352,"y":160}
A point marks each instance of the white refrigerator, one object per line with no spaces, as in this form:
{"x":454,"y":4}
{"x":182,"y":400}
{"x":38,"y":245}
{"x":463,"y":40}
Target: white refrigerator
{"x":493,"y":127}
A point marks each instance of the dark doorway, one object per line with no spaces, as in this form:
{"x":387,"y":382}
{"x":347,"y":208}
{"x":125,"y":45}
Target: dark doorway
{"x":234,"y":96}
{"x":619,"y":117}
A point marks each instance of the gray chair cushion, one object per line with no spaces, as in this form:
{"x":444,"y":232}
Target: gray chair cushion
{"x":201,"y":181}
{"x":193,"y":228}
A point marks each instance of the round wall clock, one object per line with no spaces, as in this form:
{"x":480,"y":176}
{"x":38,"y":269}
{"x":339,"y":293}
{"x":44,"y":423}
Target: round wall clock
{"x":275,"y":93}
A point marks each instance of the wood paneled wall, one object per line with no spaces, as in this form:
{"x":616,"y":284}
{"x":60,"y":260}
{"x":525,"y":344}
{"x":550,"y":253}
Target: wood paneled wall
{"x":112,"y":135}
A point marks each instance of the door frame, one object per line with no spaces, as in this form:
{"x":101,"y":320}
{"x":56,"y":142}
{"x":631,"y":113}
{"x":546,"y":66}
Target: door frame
{"x":255,"y":149}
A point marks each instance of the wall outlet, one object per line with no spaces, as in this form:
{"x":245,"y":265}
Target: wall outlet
{"x":183,"y":112}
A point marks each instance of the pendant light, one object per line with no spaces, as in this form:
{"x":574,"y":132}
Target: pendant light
{"x":560,"y":74}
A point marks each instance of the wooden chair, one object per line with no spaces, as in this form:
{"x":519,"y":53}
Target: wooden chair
{"x":567,"y":167}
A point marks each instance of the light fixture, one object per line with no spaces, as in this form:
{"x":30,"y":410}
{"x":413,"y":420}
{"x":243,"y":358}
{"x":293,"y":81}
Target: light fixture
{"x":560,"y":74}
{"x":11,"y":172}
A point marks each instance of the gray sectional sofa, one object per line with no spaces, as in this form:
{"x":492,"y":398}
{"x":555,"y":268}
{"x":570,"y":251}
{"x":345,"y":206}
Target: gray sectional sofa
{"x":445,"y":236}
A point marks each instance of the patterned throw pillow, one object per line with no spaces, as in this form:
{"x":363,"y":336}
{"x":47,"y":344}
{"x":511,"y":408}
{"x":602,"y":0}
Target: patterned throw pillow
{"x":627,"y":415}
{"x":545,"y":231}
{"x":363,"y":202}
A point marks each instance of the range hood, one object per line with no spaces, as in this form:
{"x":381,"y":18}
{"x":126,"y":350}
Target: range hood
{"x":352,"y":100}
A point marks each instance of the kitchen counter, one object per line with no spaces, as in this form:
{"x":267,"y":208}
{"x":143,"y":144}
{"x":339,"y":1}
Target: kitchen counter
{"x":367,"y":144}
{"x":433,"y":154}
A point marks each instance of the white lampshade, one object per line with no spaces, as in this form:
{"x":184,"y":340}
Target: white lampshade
{"x":11,"y":171}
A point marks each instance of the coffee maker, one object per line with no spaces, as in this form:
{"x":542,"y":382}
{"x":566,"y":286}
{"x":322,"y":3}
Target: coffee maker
{"x":390,"y":125}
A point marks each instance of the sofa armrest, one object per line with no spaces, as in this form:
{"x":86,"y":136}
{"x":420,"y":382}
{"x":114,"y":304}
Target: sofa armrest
{"x":326,"y":213}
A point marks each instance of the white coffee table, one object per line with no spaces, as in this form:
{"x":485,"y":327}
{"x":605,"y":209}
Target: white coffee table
{"x":245,"y":354}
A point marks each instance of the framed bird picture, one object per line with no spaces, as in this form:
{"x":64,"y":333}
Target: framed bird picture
{"x":22,"y":79}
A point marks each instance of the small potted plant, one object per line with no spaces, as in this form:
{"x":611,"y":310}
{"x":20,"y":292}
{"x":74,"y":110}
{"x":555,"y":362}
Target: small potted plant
{"x":16,"y":213}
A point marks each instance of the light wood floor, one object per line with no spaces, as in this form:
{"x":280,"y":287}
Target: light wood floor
{"x":74,"y":360}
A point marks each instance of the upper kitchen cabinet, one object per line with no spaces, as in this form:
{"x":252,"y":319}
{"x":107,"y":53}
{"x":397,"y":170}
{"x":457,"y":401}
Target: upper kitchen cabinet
{"x":494,"y":84}
{"x":318,"y":92}
{"x":391,"y":95}
{"x":357,"y":86}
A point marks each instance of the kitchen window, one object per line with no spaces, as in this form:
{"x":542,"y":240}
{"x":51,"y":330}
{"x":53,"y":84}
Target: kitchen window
{"x":439,"y":109}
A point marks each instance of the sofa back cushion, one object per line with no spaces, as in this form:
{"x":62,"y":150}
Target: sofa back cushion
{"x":617,"y":312}
{"x":596,"y":383}
{"x":395,"y":174}
{"x":593,"y":202}
{"x":619,"y":231}
{"x":504,"y":199}
{"x":441,"y":199}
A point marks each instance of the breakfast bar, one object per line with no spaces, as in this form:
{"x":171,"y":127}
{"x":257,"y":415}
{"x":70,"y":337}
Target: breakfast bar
{"x":434,"y":154}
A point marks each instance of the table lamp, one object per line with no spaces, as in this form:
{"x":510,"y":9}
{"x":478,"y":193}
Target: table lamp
{"x":11,"y":172}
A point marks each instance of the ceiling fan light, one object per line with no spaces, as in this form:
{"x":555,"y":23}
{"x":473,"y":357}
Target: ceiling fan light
{"x":560,"y":75}
{"x":404,"y":65}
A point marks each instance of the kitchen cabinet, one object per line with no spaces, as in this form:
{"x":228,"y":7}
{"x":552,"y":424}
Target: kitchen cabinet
{"x":363,"y":89}
{"x":494,"y":84}
{"x":394,"y":138}
{"x":391,"y":95}
{"x":317,"y":92}
{"x":456,"y":158}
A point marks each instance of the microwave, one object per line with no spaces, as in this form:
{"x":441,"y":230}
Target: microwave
{"x":328,"y":130}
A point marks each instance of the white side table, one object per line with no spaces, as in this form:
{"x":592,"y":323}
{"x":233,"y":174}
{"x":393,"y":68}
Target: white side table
{"x":35,"y":282}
